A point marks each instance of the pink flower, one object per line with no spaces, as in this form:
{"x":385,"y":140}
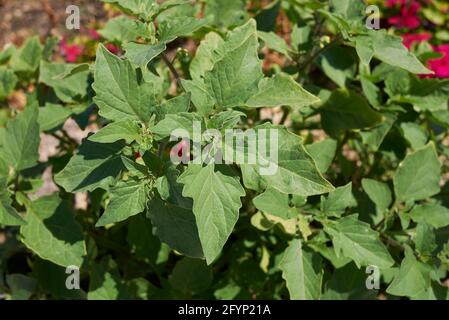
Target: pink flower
{"x":94,"y":34}
{"x":393,"y":3}
{"x":441,"y":65}
{"x":408,"y":17}
{"x":411,"y":38}
{"x":112,"y":48}
{"x":70,"y":51}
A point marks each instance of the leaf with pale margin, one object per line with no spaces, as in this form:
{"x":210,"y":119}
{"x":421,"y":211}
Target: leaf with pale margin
{"x":338,"y":200}
{"x":294,"y":171}
{"x":236,"y":74}
{"x":128,"y":198}
{"x":302,"y":271}
{"x":8,"y":215}
{"x":323,"y":152}
{"x":127,"y":130}
{"x":120,"y":93}
{"x":96,"y":165}
{"x":8,"y":81}
{"x":216,"y":204}
{"x":142,"y":54}
{"x":176,"y":227}
{"x":378,"y":192}
{"x":20,"y":139}
{"x":52,"y":231}
{"x":389,"y":49}
{"x":359,"y":242}
{"x":412,"y":279}
{"x":281,"y":90}
{"x":418,"y":176}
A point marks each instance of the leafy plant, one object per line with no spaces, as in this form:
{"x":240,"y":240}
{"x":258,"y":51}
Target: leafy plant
{"x":361,"y":167}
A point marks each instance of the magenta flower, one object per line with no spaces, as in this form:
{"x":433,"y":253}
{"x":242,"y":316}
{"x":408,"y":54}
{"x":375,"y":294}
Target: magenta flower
{"x":393,"y":3}
{"x":94,"y":34}
{"x":441,"y":65}
{"x":410,"y":38}
{"x":113,"y":49}
{"x":71,"y":52}
{"x":408,"y":18}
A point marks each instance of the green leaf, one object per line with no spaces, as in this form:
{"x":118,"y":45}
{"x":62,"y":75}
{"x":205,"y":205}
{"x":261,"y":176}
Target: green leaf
{"x":275,"y":42}
{"x":52,"y":279}
{"x":379,"y":193}
{"x":418,"y":176}
{"x":302,"y":271}
{"x":389,"y":49}
{"x":358,"y":241}
{"x":216,"y":204}
{"x":121,"y":94}
{"x":205,"y":56}
{"x":348,"y":283}
{"x":127,"y":130}
{"x":105,"y":282}
{"x":176,"y":227}
{"x":323,"y":153}
{"x":424,"y":94}
{"x":374,"y":136}
{"x":226,"y":119}
{"x":128,"y":198}
{"x":70,"y":89}
{"x":26,"y":59}
{"x":281,"y":90}
{"x":339,"y":64}
{"x":172,"y":122}
{"x":96,"y":165}
{"x":412,"y":279}
{"x":191,"y":276}
{"x":136,"y":7}
{"x":414,"y":134}
{"x":52,"y":116}
{"x":225,"y":13}
{"x":7,"y":53}
{"x":201,"y":98}
{"x":123,"y":29}
{"x":170,"y":190}
{"x":22,"y":287}
{"x":433,"y":214}
{"x":425,"y":239}
{"x":20,"y":139}
{"x":338,"y":200}
{"x":141,"y":54}
{"x":8,"y":215}
{"x":346,"y":110}
{"x":177,"y":104}
{"x":143,"y":243}
{"x":274,"y":203}
{"x":52,"y":231}
{"x":236,"y":74}
{"x":8,"y":81}
{"x":171,"y":29}
{"x":293,"y":172}
{"x":350,"y":9}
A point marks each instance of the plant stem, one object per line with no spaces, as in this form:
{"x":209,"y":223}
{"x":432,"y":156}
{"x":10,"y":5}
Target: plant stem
{"x":172,"y":69}
{"x":312,"y":58}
